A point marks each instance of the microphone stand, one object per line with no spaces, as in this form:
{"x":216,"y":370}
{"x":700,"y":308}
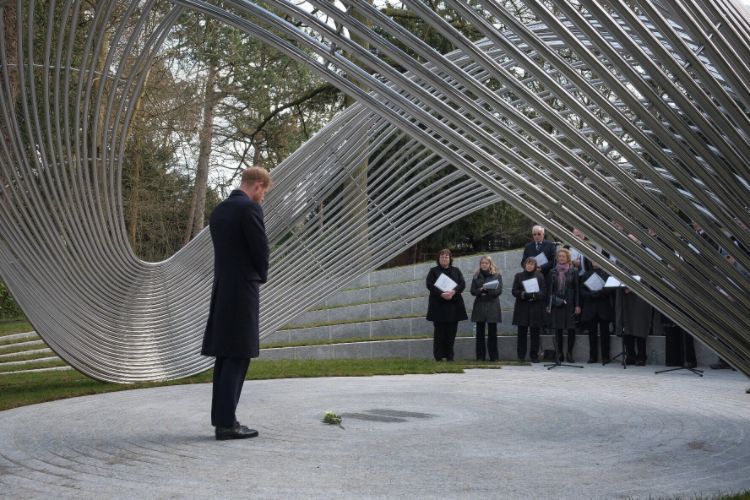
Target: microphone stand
{"x":618,"y":329}
{"x":558,"y":355}
{"x":683,"y":334}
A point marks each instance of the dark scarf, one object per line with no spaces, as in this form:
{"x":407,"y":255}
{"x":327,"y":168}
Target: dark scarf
{"x":561,"y":270}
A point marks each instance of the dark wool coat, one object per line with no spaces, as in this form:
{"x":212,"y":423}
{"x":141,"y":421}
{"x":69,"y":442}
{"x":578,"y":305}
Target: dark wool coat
{"x":636,"y":314}
{"x":240,"y":264}
{"x":439,"y":309}
{"x":529,"y":308}
{"x":547,"y":248}
{"x":486,"y":305}
{"x":596,"y":306}
{"x":563,"y":317}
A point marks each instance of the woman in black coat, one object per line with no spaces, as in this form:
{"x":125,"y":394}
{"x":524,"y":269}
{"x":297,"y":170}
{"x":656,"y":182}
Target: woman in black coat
{"x":486,"y":308}
{"x":445,"y":308}
{"x":597,"y":312}
{"x":528,"y":312}
{"x":563,"y":302}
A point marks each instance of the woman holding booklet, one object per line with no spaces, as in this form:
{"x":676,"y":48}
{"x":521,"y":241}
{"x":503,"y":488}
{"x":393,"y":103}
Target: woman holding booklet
{"x":445,"y":307}
{"x":597,"y":311}
{"x":529,"y":289}
{"x":486,"y":286}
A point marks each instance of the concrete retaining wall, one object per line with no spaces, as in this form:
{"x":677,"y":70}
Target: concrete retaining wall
{"x":464,"y":349}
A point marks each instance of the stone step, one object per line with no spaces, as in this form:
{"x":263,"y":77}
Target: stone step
{"x":464,"y":349}
{"x":16,"y":336}
{"x":12,"y":355}
{"x":411,"y":306}
{"x":50,"y":369}
{"x":29,"y":361}
{"x":16,"y":345}
{"x":395,"y":327}
{"x":392,"y":302}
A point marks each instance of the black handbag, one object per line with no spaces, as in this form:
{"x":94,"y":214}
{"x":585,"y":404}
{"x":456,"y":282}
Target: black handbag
{"x":557,"y":301}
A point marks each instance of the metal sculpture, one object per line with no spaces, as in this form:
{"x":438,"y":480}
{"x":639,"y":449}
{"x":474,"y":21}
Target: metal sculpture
{"x":627,"y":121}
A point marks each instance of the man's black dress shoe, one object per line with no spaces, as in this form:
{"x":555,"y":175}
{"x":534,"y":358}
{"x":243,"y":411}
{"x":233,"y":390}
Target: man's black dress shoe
{"x":236,"y":432}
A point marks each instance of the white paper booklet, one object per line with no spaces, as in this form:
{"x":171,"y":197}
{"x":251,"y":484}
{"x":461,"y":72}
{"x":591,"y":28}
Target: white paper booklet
{"x":530,"y":285}
{"x":612,"y":282}
{"x":491,"y":285}
{"x":445,"y":283}
{"x":594,"y":282}
{"x":541,"y":259}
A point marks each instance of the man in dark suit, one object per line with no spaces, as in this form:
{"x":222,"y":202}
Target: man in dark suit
{"x":241,"y":254}
{"x":537,"y":246}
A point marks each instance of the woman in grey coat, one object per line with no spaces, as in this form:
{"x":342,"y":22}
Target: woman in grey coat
{"x":486,"y":286}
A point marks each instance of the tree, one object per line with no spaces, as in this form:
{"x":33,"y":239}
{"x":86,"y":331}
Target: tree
{"x":258,"y":106}
{"x":493,"y":228}
{"x":8,"y":307}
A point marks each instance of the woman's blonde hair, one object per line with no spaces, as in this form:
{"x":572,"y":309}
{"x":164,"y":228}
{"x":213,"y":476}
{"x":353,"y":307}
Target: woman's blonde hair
{"x":493,"y":267}
{"x":566,"y":252}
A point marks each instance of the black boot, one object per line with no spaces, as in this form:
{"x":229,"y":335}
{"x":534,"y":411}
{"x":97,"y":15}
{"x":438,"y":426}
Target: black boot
{"x":593,"y":347}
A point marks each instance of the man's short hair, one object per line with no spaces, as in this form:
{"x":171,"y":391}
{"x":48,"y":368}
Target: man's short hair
{"x":256,"y":174}
{"x":537,"y":228}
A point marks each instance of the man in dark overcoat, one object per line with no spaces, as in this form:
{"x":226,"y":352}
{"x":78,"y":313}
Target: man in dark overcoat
{"x":241,"y":254}
{"x":597,"y":312}
{"x":540,"y":245}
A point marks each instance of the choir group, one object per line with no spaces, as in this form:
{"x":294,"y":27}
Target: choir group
{"x":558,"y":290}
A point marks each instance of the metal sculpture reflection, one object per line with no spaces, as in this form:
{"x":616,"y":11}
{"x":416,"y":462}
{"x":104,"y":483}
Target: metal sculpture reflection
{"x":631,"y":125}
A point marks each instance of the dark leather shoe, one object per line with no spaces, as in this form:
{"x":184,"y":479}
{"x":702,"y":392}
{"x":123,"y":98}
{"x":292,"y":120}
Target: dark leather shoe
{"x":591,"y":361}
{"x":236,"y":432}
{"x":535,"y":359}
{"x":569,"y":358}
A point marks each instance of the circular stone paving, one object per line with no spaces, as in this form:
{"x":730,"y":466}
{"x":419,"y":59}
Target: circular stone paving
{"x":517,"y":432}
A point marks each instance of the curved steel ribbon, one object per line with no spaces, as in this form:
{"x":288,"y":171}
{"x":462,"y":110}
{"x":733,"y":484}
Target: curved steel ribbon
{"x":631,"y":125}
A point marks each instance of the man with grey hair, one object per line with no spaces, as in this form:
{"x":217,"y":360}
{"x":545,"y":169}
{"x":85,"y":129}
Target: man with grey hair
{"x":539,"y":246}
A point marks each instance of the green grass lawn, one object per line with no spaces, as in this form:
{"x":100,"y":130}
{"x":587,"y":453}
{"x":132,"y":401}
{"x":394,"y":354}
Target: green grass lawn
{"x":8,"y":327}
{"x":20,"y":389}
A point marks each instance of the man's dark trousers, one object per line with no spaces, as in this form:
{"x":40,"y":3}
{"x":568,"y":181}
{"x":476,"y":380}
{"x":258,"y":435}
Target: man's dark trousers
{"x":229,"y":376}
